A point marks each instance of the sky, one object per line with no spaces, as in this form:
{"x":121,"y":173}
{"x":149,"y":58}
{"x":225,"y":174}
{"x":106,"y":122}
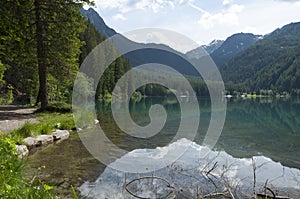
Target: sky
{"x":202,"y":21}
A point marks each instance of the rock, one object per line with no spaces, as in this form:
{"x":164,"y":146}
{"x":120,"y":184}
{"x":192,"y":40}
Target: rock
{"x":60,"y":135}
{"x":30,"y":142}
{"x":43,"y":139}
{"x":22,"y":151}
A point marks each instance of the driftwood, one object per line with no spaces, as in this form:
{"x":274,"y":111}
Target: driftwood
{"x":272,"y":196}
{"x":266,"y":196}
{"x":149,"y":177}
{"x":224,"y":191}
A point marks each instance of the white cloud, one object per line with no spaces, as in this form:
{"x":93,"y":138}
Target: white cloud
{"x":289,"y":0}
{"x":198,"y":8}
{"x":228,"y":17}
{"x":199,"y":20}
{"x":236,"y":8}
{"x":119,"y":17}
{"x":155,"y":6}
{"x":249,"y":29}
{"x":110,"y":4}
{"x":181,"y":2}
{"x":129,"y":5}
{"x":208,"y":20}
{"x":227,"y":2}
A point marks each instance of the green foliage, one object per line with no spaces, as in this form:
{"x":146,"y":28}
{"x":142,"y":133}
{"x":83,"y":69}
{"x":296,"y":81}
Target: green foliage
{"x":90,"y":38}
{"x":58,"y":107}
{"x":74,"y":193}
{"x":271,"y":64}
{"x":32,"y":129}
{"x":6,"y":93}
{"x":46,"y":128}
{"x":63,"y":121}
{"x":117,"y":68}
{"x":232,"y":46}
{"x":13,"y":184}
{"x":2,"y":69}
{"x":44,"y":35}
{"x":48,"y":122}
{"x":84,"y":118}
{"x":17,"y":51}
{"x":24,"y":131}
{"x":84,"y":86}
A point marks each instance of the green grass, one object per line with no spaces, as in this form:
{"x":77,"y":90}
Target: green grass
{"x":48,"y":122}
{"x":57,"y":107}
{"x":13,"y":184}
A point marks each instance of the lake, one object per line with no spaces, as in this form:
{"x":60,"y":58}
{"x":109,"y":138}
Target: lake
{"x":264,"y":128}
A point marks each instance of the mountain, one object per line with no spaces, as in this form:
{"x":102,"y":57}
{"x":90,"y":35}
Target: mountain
{"x":149,"y":53}
{"x":98,"y":22}
{"x":251,"y":61}
{"x":232,"y":46}
{"x":210,"y":48}
{"x":214,"y":45}
{"x":271,"y":63}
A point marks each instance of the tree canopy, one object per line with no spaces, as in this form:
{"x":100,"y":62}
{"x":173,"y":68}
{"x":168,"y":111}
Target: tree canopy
{"x":39,"y":43}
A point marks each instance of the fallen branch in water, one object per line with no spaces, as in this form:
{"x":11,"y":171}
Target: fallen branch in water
{"x":273,"y":196}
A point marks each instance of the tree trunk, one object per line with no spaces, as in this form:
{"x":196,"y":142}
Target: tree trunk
{"x":41,"y":57}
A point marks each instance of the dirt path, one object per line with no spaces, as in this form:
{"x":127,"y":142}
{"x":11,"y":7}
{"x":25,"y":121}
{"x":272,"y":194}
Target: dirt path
{"x":12,"y":117}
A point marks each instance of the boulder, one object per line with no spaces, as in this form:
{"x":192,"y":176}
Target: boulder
{"x":22,"y":151}
{"x":43,"y":139}
{"x":60,"y":135}
{"x":30,"y":142}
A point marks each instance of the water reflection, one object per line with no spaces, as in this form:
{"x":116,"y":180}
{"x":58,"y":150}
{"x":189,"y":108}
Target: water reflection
{"x":253,"y":127}
{"x":199,"y":171}
{"x":264,"y":126}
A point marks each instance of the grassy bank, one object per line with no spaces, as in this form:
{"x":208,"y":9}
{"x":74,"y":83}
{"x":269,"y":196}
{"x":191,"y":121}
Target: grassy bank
{"x":13,"y":183}
{"x":57,"y":116}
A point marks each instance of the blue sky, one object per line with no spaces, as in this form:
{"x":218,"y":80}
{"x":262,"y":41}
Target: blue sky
{"x":202,"y":21}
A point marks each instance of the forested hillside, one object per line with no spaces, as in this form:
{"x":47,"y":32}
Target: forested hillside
{"x":92,"y":38}
{"x":272,"y":63}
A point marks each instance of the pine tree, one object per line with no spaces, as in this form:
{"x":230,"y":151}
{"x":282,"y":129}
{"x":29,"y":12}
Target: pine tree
{"x":41,"y":37}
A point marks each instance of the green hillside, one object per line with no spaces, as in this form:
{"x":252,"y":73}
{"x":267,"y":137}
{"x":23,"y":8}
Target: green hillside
{"x":272,"y":63}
